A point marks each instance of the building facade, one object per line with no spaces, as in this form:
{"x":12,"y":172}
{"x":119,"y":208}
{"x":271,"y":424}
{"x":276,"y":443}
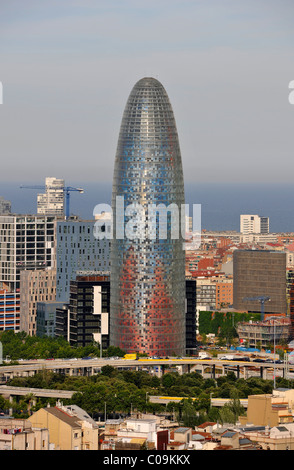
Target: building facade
{"x":147,"y":311}
{"x":261,"y":334}
{"x":9,"y":310}
{"x":78,"y":249}
{"x":89,"y":310}
{"x":35,"y":286}
{"x":253,"y":224}
{"x":259,"y":273}
{"x":190,"y":321}
{"x":5,"y":206}
{"x":46,"y":318}
{"x":27,"y":242}
{"x":52,"y":201}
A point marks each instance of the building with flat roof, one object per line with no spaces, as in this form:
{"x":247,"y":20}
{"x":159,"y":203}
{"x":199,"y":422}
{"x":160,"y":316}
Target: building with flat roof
{"x":89,"y":310}
{"x":52,"y":201}
{"x":259,"y":273}
{"x":35,"y":286}
{"x":5,"y":206}
{"x":253,"y":224}
{"x":78,"y":249}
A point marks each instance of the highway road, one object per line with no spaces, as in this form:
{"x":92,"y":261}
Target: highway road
{"x":94,"y":365}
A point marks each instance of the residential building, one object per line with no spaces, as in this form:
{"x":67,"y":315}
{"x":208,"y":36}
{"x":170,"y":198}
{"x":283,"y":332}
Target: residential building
{"x":35,"y":286}
{"x":69,"y":428}
{"x":52,"y":201}
{"x":5,"y":206}
{"x":276,"y":409}
{"x":253,"y":224}
{"x":223,"y":293}
{"x":206,"y":292}
{"x":147,"y":308}
{"x":9,"y":310}
{"x":280,"y":437}
{"x":259,"y":273}
{"x":142,"y":431}
{"x":19,"y":434}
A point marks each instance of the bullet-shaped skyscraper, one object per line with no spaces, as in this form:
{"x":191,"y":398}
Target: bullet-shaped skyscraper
{"x":147,"y":304}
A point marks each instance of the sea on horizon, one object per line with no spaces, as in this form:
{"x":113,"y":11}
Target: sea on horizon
{"x":221,"y":203}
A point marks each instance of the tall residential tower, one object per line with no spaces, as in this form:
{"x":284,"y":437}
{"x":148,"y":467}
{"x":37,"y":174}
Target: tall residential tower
{"x":147,"y":306}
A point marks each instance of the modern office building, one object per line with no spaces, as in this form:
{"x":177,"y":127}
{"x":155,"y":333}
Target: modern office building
{"x":89,"y":310}
{"x":62,"y":321}
{"x":52,"y":201}
{"x":259,"y":273}
{"x":147,"y":309}
{"x":253,"y":224}
{"x":26,"y":242}
{"x":190,"y":316}
{"x":78,"y":249}
{"x":46,"y":318}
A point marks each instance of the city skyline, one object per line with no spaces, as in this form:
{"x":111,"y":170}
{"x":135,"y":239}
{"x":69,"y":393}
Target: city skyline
{"x":227,"y":72}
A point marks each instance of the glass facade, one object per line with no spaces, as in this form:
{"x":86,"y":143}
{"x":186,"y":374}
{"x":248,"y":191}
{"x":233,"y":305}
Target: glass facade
{"x":147,"y":306}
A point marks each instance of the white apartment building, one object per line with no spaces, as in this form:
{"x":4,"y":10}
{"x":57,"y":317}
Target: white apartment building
{"x":52,"y":201}
{"x":253,"y":224}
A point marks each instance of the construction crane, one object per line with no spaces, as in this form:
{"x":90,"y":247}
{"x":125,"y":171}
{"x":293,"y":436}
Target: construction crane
{"x":262,"y":299}
{"x":65,"y":189}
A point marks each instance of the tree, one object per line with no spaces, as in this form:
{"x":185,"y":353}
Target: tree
{"x":189,"y":416}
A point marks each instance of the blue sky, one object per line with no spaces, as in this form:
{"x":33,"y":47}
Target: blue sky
{"x":68,"y":67}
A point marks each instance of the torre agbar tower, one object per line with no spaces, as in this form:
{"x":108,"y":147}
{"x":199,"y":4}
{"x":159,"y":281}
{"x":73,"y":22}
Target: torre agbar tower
{"x":147,"y":304}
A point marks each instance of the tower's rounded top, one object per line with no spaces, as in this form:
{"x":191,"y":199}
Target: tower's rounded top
{"x":148,"y":82}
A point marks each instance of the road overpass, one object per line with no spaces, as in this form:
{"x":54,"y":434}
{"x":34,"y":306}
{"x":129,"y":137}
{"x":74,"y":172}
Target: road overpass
{"x":87,"y":367}
{"x":10,"y":392}
{"x":214,"y":401}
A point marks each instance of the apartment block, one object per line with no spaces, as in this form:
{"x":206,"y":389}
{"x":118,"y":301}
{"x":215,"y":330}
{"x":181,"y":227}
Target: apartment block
{"x":9,"y":310}
{"x":18,"y":434}
{"x":253,"y":224}
{"x":5,"y":206}
{"x":52,"y":201}
{"x":206,"y":292}
{"x":223,"y":293}
{"x":35,"y":286}
{"x":70,"y":428}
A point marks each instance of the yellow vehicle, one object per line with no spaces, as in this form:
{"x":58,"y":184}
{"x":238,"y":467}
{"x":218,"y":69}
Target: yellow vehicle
{"x":131,"y":356}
